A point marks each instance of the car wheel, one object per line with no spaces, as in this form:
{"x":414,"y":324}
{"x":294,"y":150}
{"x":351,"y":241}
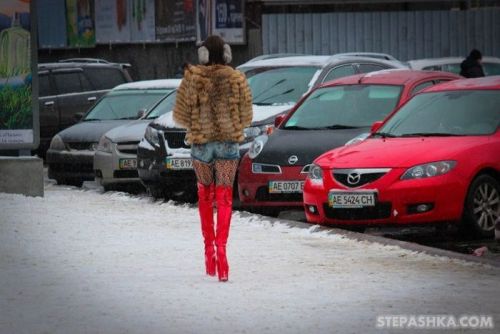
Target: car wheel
{"x":155,"y":192}
{"x":482,"y":205}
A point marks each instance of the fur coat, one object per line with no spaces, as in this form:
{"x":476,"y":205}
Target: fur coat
{"x":214,"y":103}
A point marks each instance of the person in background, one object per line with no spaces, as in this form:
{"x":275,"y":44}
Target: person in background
{"x":471,"y":67}
{"x":214,"y":104}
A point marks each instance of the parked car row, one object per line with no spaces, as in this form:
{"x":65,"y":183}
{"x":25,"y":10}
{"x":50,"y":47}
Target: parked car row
{"x":305,"y":107}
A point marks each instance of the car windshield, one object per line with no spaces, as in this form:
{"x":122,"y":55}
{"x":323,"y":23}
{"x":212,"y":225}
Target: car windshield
{"x":491,"y":68}
{"x":348,"y":106}
{"x":166,"y":105}
{"x":279,"y":85}
{"x":451,"y":113}
{"x":124,"y":104}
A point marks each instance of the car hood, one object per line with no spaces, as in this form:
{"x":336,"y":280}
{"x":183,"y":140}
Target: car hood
{"x":305,"y":144}
{"x":133,"y":131}
{"x":261,"y":115}
{"x":398,"y":152}
{"x":90,"y":131}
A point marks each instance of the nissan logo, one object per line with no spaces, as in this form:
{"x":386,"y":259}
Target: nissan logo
{"x":353,"y":178}
{"x":293,"y":160}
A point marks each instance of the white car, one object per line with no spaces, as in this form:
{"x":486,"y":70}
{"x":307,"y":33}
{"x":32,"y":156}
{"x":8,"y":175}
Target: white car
{"x":491,"y":65}
{"x":115,"y":160}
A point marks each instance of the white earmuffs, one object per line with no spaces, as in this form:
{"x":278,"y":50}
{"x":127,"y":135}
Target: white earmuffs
{"x":203,"y":54}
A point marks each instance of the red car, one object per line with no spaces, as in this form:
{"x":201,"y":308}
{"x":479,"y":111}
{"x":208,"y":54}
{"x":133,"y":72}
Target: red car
{"x":437,"y":159}
{"x":272,"y":174}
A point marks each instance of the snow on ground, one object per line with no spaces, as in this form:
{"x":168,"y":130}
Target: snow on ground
{"x":78,"y":261}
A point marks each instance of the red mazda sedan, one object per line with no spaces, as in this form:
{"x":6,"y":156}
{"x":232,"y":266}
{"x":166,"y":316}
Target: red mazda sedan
{"x":272,"y":174}
{"x":437,"y":159}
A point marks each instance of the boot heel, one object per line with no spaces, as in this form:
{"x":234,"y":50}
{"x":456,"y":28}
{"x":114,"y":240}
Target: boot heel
{"x":222,"y":265}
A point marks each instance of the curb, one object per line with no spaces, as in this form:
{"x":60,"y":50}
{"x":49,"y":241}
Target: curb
{"x":393,"y":242}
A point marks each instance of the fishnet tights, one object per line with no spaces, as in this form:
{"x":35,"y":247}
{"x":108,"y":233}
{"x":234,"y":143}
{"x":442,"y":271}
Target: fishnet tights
{"x":225,"y":171}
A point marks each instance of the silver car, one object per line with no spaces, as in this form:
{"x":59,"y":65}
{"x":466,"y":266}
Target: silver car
{"x":115,"y":161}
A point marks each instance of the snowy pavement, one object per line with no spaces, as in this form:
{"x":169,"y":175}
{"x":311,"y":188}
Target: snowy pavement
{"x":78,"y":261}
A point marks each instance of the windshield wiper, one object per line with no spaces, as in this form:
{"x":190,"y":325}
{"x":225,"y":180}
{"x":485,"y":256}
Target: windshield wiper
{"x":91,"y":119}
{"x":296,"y":127}
{"x":128,"y":117}
{"x":262,"y":103}
{"x":430,"y":134}
{"x":275,"y":95}
{"x":383,"y":135}
{"x":338,"y":127}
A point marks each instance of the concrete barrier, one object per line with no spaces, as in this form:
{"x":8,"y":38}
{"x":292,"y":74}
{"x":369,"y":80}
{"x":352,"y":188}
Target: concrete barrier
{"x":21,"y":175}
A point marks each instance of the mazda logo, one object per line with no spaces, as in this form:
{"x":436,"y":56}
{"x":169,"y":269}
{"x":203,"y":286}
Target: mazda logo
{"x":293,"y":160}
{"x":353,"y":178}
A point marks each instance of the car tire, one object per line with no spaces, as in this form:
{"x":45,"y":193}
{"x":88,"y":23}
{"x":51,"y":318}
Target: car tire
{"x":482,"y":206}
{"x":155,"y":192}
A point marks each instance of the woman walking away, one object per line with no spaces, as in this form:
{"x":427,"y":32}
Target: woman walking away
{"x":214,"y":104}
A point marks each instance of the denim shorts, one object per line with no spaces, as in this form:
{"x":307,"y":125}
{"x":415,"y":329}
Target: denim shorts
{"x":216,"y":150}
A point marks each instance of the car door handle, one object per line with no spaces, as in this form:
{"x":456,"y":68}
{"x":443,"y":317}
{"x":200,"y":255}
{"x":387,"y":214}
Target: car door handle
{"x":49,"y":103}
{"x":92,"y":98}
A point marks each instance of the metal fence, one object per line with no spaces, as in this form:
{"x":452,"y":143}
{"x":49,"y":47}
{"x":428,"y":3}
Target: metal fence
{"x":405,"y":35}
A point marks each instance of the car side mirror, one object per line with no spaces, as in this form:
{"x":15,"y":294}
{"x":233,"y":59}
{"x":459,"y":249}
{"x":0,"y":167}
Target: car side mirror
{"x":376,"y":125}
{"x":78,"y":116}
{"x":278,"y":120}
{"x":141,"y":113}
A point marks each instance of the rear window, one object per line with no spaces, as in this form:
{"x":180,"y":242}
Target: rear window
{"x":105,"y":78}
{"x":68,"y":82}
{"x":124,"y":104}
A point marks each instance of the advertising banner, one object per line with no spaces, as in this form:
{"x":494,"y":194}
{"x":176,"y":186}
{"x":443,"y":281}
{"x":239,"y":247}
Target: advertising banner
{"x":80,"y":23}
{"x":175,"y":20}
{"x":17,"y":118}
{"x":203,"y":20}
{"x":125,"y":21}
{"x":228,"y":20}
{"x":51,"y":16}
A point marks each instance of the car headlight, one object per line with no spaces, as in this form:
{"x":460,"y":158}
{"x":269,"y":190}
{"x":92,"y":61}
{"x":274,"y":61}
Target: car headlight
{"x":315,"y":173}
{"x":429,"y":170}
{"x":57,"y":143}
{"x":257,"y":146}
{"x":105,"y":144}
{"x":151,"y":135}
{"x":357,"y":139}
{"x":254,"y":131}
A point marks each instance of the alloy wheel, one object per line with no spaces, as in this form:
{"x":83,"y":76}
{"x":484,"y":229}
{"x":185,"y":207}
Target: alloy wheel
{"x":486,"y":206}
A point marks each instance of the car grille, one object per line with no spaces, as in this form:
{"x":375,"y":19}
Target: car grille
{"x":129,"y":147}
{"x":361,"y":176}
{"x":380,"y":211}
{"x":264,"y":195}
{"x":80,"y":146}
{"x":125,"y":174}
{"x":175,"y":139}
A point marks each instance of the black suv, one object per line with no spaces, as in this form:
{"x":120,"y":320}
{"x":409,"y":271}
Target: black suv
{"x":68,"y":88}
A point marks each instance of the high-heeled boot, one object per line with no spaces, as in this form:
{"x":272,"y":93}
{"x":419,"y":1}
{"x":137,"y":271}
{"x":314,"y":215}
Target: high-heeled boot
{"x":224,"y":201}
{"x":206,"y":210}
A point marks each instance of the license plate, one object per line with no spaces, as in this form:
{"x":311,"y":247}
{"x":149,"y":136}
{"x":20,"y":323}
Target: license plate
{"x":351,"y":199}
{"x":128,"y":163}
{"x":286,"y":187}
{"x":179,"y":163}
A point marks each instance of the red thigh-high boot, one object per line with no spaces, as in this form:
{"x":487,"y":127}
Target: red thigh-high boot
{"x":206,"y":209}
{"x":224,"y":200}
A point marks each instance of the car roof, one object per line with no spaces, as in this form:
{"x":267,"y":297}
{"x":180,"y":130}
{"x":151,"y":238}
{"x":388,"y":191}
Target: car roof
{"x":390,"y":77}
{"x":421,"y":63}
{"x":339,"y":59}
{"x":150,"y":84}
{"x":484,"y":83}
{"x":376,"y":55}
{"x":288,"y":61}
{"x":60,"y":65}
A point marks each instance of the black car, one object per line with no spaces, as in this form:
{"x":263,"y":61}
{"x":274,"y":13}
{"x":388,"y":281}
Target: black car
{"x":68,"y":88}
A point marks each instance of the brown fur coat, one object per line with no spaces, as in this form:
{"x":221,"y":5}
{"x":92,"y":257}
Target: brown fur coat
{"x":214,"y":103}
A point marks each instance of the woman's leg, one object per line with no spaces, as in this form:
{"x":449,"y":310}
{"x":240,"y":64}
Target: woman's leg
{"x":225,"y":171}
{"x":206,"y":192}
